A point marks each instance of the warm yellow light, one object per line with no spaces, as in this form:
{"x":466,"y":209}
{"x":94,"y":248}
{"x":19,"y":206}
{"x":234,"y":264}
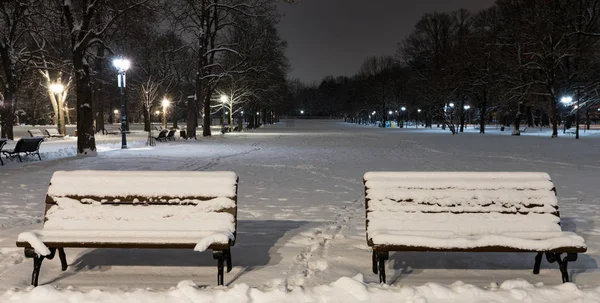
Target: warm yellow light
{"x":165,"y":103}
{"x":57,"y":88}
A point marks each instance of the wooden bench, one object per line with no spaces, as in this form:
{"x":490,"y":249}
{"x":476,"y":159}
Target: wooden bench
{"x":53,"y":133}
{"x":466,"y":212}
{"x":35,"y":133}
{"x":2,"y":143}
{"x":27,"y":146}
{"x":136,"y":209}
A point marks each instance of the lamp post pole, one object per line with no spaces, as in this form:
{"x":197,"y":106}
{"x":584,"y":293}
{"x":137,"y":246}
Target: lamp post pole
{"x":122,"y":66}
{"x":577,"y":115}
{"x":123,"y":114}
{"x":165,"y":104}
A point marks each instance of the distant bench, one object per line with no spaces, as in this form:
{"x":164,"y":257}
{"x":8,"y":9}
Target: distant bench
{"x":53,"y":133}
{"x":136,"y":209}
{"x":466,"y":212}
{"x":35,"y":133}
{"x":25,"y":146}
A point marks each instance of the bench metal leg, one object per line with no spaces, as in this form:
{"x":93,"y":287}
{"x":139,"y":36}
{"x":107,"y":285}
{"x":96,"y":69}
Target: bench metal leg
{"x":374,"y":261}
{"x":381,"y":258}
{"x":37,"y":264}
{"x":19,"y":156}
{"x":220,"y":257}
{"x":1,"y":162}
{"x":562,"y":263}
{"x":228,"y":259}
{"x":63,"y":259}
{"x":538,"y":262}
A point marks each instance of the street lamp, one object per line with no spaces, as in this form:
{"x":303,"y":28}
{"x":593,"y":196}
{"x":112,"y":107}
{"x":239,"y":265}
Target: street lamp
{"x":403,"y":109}
{"x":165,"y":104}
{"x":566,"y":101}
{"x":418,"y":113}
{"x":302,"y":112}
{"x":122,"y":65}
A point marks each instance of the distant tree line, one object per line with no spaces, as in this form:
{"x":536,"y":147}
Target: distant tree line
{"x":510,"y":64}
{"x":56,"y":62}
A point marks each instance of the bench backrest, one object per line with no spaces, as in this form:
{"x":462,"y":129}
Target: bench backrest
{"x":142,"y":200}
{"x":163,"y":133}
{"x":36,"y":133}
{"x":52,"y":132}
{"x":423,"y":201}
{"x":28,"y":145}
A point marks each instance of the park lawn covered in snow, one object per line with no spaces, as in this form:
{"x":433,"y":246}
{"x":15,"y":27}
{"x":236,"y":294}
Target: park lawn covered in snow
{"x":301,"y":218}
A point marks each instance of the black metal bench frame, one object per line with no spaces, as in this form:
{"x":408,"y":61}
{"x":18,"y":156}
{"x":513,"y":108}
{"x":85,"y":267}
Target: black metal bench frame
{"x":221,"y":253}
{"x":382,"y":254}
{"x":2,"y":143}
{"x":162,"y":136}
{"x":28,"y":150}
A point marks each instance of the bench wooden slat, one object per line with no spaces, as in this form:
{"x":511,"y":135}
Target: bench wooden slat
{"x":485,"y":249}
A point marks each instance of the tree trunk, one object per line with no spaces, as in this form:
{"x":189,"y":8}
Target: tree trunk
{"x":61,"y":115}
{"x":207,"y":117}
{"x":146,"y":113}
{"x":482,"y":115}
{"x":86,"y":143}
{"x":554,"y":111}
{"x":517,"y":122}
{"x":7,"y":120}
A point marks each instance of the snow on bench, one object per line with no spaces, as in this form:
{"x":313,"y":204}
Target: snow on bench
{"x":466,"y":212}
{"x":137,"y":209}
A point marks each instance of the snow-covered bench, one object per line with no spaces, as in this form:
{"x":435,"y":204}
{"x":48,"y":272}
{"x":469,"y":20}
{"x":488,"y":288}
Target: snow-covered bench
{"x":36,"y":133}
{"x":53,"y":133}
{"x":136,"y":209}
{"x":466,"y":212}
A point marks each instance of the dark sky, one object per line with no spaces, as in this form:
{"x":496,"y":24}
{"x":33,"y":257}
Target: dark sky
{"x":333,"y":37}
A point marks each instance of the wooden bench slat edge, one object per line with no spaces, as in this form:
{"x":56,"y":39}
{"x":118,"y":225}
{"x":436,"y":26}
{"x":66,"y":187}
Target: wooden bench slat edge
{"x":499,"y":249}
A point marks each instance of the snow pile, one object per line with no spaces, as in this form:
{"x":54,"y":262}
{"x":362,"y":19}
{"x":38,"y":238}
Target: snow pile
{"x":346,"y":290}
{"x":447,"y":210}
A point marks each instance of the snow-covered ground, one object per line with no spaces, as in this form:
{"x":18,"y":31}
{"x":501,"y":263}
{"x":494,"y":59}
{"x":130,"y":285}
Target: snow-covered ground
{"x":301,"y":230}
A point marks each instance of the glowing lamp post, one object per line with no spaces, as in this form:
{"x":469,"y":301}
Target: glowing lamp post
{"x":122,"y":65}
{"x":418,"y":114}
{"x":225,"y":101}
{"x":566,"y":101}
{"x":403,"y":109}
{"x":165,"y":104}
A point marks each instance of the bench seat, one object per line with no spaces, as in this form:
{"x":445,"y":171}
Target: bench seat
{"x":505,"y":242}
{"x":466,"y":212}
{"x":133,"y":239}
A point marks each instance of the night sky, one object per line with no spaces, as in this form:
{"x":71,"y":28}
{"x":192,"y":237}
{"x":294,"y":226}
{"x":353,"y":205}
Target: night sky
{"x":333,"y":37}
